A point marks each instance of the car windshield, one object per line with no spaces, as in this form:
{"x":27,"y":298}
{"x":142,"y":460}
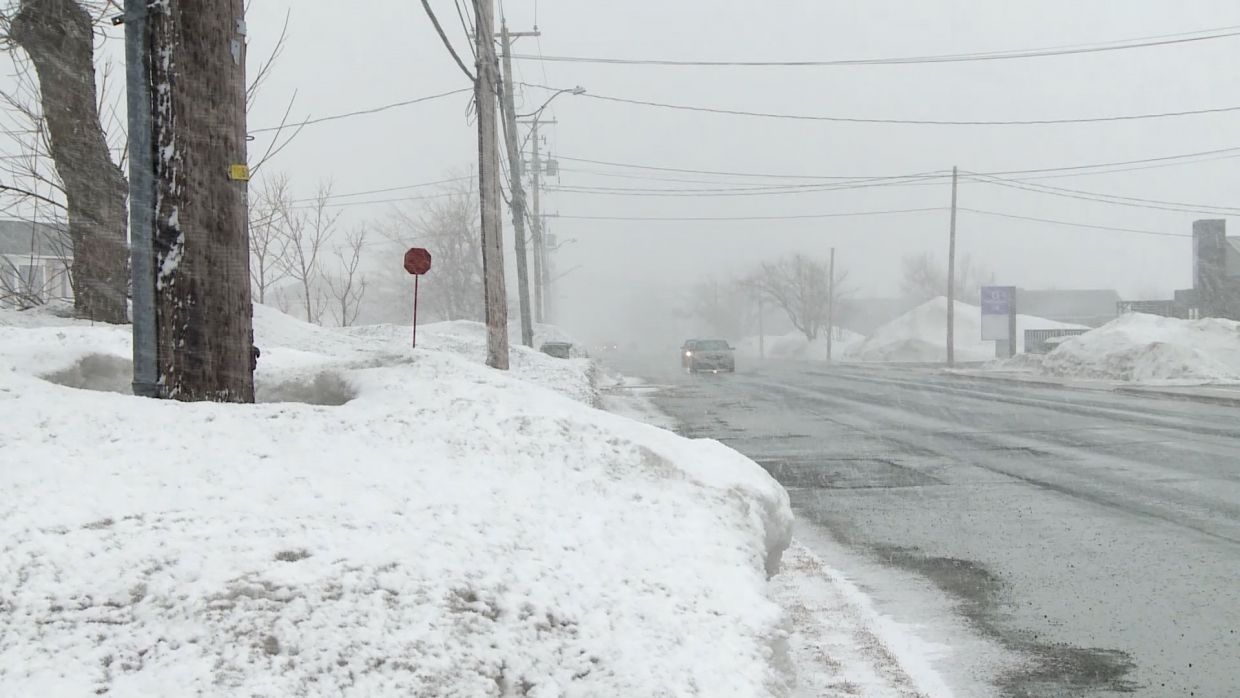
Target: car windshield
{"x":710,"y":345}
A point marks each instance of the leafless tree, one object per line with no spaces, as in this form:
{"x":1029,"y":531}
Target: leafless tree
{"x":801,"y":287}
{"x":268,"y":244}
{"x":724,"y":307}
{"x":924,"y":277}
{"x":61,"y":111}
{"x":448,"y":227}
{"x":305,"y":232}
{"x":348,"y":287}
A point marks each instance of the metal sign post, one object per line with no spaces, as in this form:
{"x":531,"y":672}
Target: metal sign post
{"x":999,"y":316}
{"x":417,"y":262}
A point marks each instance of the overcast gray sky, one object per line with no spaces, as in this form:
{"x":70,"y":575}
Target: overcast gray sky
{"x":346,"y":56}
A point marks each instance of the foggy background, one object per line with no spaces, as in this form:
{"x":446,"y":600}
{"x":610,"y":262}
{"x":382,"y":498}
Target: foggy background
{"x":626,"y":277}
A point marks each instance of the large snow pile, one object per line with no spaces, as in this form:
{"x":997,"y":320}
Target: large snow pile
{"x":920,"y":335}
{"x":1149,"y":348}
{"x":449,"y":530}
{"x":794,"y":345}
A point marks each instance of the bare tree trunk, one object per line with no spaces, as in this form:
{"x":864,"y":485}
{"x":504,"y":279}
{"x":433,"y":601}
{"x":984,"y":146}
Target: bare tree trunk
{"x":58,"y":36}
{"x":202,"y":248}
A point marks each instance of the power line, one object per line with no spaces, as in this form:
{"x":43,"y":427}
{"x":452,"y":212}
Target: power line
{"x":385,"y":189}
{"x":906,"y":180}
{"x":1158,"y":161}
{"x":400,"y":199}
{"x":1118,"y":45}
{"x":985,"y":212}
{"x":750,"y":218}
{"x":1053,"y":221}
{"x":685,"y":170}
{"x":361,"y":112}
{"x":910,"y":122}
{"x":1113,"y":199}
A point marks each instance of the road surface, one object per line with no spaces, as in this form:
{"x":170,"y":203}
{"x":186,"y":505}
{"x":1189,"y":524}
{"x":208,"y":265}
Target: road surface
{"x":1094,"y":537}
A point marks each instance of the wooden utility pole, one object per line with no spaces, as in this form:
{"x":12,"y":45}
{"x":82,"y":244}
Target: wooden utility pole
{"x":540,"y":251}
{"x":202,"y":260}
{"x":830,"y":303}
{"x":951,"y":280}
{"x":761,"y":331}
{"x":486,"y":88}
{"x":518,"y":187}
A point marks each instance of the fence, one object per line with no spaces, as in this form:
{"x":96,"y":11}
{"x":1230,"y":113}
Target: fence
{"x":1038,"y":341}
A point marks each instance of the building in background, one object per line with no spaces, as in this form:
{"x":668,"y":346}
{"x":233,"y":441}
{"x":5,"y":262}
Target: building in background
{"x":1089,"y":307}
{"x":35,"y":259}
{"x":1216,"y":273}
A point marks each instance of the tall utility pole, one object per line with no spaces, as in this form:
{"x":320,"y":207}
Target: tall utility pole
{"x":951,"y":280}
{"x":485,"y":90}
{"x":517,"y":184}
{"x":202,"y":258}
{"x":830,"y":303}
{"x":540,"y":250}
{"x":761,"y":331}
{"x":141,"y":198}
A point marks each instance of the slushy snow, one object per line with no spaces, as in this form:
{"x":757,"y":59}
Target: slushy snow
{"x":1148,"y":349}
{"x":431,"y":528}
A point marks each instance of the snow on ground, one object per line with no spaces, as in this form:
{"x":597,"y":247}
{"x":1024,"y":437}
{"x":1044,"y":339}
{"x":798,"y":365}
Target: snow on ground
{"x":1144,"y":349}
{"x":449,"y":530}
{"x":794,"y":345}
{"x":837,"y":644}
{"x":920,"y":335}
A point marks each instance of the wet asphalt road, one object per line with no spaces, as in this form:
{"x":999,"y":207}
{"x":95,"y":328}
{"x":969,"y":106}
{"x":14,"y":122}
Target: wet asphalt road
{"x":1094,"y":536}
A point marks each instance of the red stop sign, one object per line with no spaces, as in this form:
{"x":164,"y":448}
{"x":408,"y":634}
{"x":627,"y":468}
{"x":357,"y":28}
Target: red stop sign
{"x":417,"y":261}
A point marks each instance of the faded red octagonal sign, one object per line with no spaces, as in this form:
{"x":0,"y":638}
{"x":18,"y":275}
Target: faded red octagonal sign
{"x":417,"y":261}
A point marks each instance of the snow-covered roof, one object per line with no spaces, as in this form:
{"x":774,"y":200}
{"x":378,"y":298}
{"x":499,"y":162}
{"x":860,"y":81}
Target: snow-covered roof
{"x":28,"y":237}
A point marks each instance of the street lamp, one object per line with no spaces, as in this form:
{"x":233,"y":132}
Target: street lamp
{"x":578,"y":90}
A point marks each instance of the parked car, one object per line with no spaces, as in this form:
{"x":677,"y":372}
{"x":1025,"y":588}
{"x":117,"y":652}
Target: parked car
{"x":560,"y":350}
{"x":707,"y":355}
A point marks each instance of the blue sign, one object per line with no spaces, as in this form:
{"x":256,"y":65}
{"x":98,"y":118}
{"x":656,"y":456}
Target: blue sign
{"x":998,"y":300}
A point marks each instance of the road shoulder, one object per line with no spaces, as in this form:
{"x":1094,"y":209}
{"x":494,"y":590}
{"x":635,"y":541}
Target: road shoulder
{"x":1228,"y":395}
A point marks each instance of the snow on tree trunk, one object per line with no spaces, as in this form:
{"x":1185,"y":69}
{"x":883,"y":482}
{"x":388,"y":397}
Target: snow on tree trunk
{"x":201,"y":238}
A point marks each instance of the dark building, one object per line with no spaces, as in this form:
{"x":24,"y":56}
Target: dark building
{"x":1216,"y":272}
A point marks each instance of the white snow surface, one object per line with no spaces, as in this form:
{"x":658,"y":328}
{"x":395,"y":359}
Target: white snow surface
{"x":920,"y":335}
{"x":1143,"y":348}
{"x":794,"y":345}
{"x":450,"y":530}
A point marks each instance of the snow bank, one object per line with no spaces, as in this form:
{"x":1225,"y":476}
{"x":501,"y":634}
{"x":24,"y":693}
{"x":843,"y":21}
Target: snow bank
{"x":449,"y":530}
{"x":920,"y":335}
{"x":1149,"y":349}
{"x":794,"y":345}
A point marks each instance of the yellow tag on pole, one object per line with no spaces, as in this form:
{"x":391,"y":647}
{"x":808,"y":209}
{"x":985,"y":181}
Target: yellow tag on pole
{"x":239,"y":173}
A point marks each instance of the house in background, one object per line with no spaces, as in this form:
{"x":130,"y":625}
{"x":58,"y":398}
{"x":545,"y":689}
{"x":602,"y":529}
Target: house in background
{"x":34,"y":264}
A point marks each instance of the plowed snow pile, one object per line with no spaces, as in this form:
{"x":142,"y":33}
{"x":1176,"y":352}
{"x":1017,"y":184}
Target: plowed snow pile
{"x":1149,"y":348}
{"x":441,"y":529}
{"x":920,"y":335}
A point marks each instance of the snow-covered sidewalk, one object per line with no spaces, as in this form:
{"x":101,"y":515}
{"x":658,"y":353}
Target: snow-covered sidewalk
{"x":838,"y":645}
{"x":430,"y":528}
